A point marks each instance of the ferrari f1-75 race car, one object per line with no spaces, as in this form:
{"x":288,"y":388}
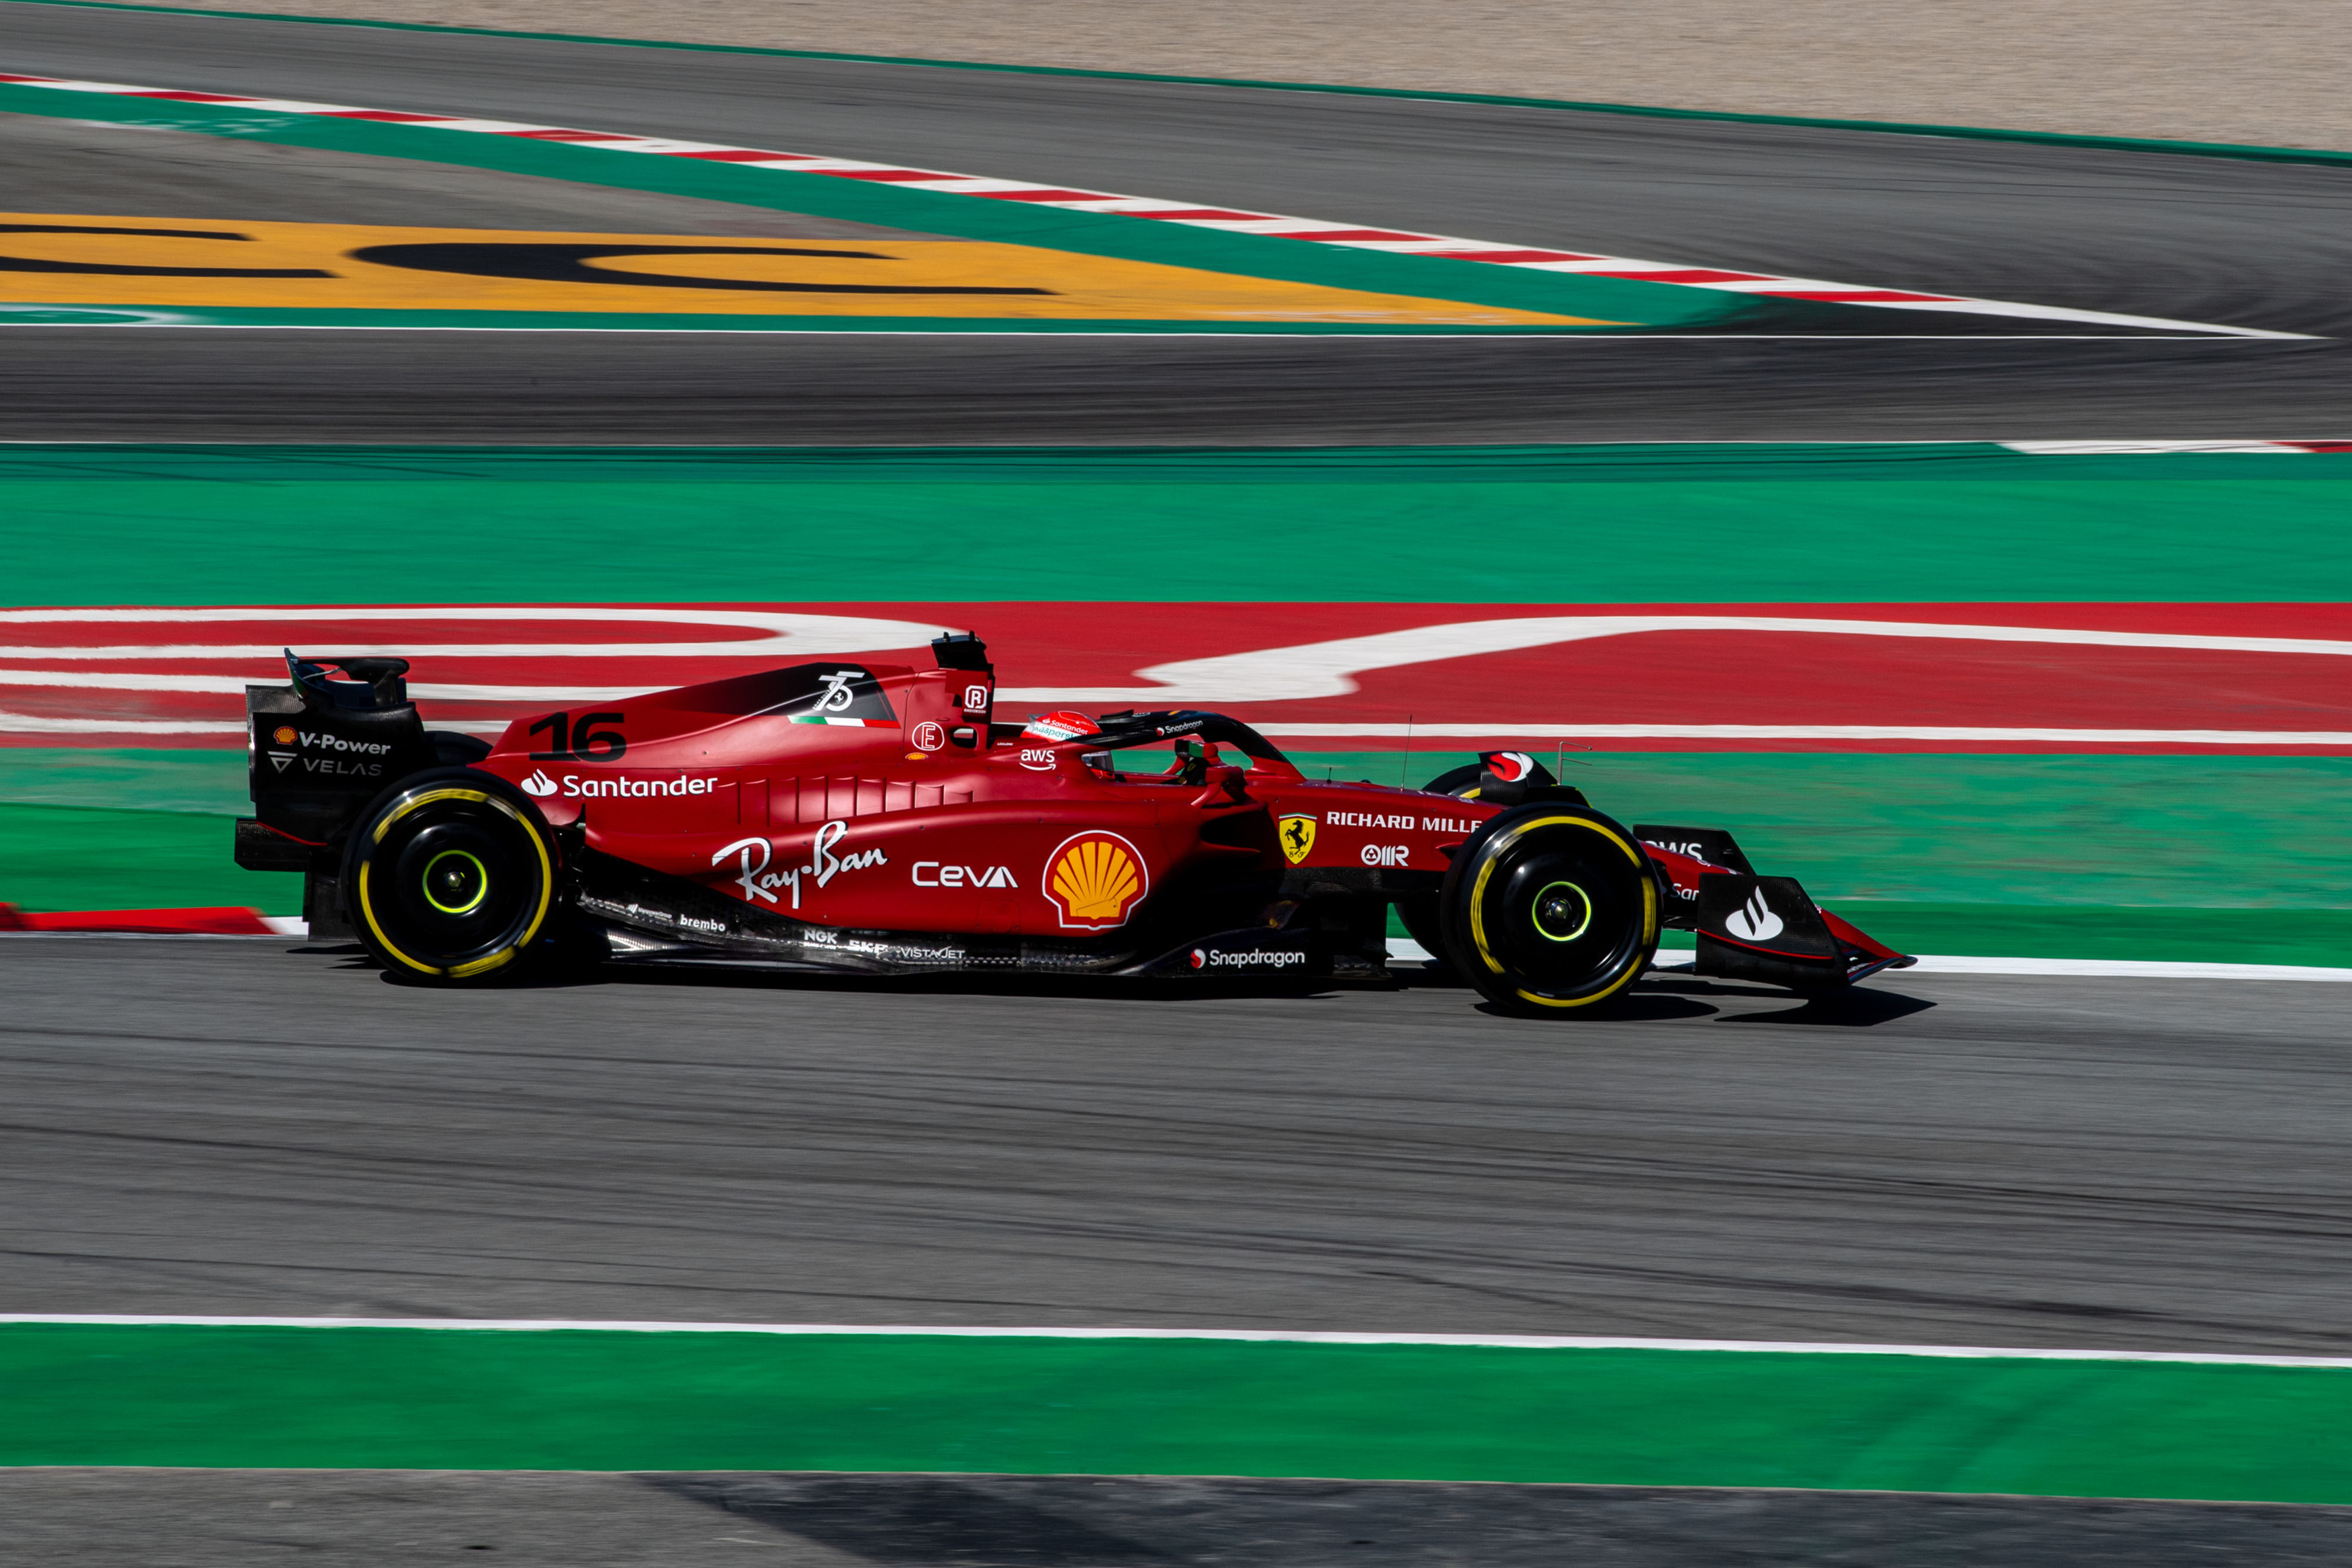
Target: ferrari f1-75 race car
{"x":875,"y":819}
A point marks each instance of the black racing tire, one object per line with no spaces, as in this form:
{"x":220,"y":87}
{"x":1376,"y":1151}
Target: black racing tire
{"x":1462,"y":782}
{"x":1550,"y":911}
{"x":1418,"y":911}
{"x":451,"y":878}
{"x":451,"y":749}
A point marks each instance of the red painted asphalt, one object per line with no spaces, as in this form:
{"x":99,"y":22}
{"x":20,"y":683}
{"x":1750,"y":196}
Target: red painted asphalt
{"x":160,"y":678}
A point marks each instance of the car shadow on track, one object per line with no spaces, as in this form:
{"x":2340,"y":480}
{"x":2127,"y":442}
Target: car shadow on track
{"x":1856,"y":1007}
{"x":1651,"y":1001}
{"x":1637,"y":1007}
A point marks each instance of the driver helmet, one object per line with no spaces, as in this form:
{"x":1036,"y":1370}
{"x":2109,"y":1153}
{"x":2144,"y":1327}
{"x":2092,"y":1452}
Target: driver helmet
{"x":1063,"y":724}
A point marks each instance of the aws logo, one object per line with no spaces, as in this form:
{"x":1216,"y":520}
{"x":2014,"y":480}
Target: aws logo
{"x":1095,"y":880}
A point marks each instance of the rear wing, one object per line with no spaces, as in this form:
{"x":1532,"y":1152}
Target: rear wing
{"x":318,"y":749}
{"x":1751,"y":927}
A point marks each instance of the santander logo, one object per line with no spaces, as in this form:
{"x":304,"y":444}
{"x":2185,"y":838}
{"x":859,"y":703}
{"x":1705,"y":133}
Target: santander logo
{"x":1754,"y":920}
{"x":539,"y":786}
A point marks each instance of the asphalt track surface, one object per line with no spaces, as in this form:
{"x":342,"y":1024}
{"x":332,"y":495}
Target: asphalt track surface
{"x":2247,"y":243}
{"x":360,"y":1519}
{"x":245,"y":1126}
{"x":230,"y":1126}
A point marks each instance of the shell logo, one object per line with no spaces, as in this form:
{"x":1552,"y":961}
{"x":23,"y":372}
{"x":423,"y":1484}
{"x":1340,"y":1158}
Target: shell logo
{"x":1095,"y":880}
{"x":284,"y":736}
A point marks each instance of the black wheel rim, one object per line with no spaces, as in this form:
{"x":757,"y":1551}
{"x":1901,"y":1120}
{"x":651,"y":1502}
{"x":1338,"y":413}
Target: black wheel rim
{"x":452,"y":883}
{"x":1564,"y":911}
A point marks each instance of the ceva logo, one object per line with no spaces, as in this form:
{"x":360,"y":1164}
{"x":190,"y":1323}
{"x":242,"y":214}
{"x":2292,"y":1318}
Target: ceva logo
{"x":539,"y":786}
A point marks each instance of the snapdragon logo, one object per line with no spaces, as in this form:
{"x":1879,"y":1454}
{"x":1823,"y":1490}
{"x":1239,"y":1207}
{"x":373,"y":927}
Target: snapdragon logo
{"x":1257,"y":958}
{"x":754,"y":856}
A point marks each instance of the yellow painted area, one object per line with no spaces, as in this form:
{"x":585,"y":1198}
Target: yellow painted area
{"x":52,"y":259}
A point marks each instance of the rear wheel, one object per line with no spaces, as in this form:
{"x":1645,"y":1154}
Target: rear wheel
{"x":1550,"y":911}
{"x":450,"y":877}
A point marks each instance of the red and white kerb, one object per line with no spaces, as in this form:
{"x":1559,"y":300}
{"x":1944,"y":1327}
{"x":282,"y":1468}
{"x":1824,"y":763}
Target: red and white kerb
{"x":1314,"y":231}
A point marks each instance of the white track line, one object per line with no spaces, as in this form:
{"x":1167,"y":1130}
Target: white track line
{"x":1404,"y":950}
{"x":1191,"y":215}
{"x":1676,"y":962}
{"x":1959,"y":733}
{"x":35,"y":724}
{"x":1326,"y":669}
{"x":2137,"y":448}
{"x":1253,"y":1336}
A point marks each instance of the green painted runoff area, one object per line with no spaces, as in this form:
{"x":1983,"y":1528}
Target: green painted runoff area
{"x":2219,"y":859}
{"x":1638,"y":305}
{"x":2228,"y":858}
{"x":1655,"y":524}
{"x":605,"y":1400}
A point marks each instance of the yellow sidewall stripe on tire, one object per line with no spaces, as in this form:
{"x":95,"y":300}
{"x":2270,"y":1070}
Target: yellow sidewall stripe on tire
{"x":476,"y":966}
{"x":1478,"y":908}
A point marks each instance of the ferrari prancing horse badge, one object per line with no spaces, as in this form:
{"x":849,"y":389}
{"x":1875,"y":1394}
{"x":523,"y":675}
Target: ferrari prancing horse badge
{"x":1297,"y":835}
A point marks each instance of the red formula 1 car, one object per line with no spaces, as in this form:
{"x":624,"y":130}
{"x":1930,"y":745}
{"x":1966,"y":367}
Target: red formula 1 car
{"x":865,"y":819}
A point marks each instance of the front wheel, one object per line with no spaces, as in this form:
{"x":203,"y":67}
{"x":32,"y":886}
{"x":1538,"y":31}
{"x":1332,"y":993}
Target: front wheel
{"x":450,"y":876}
{"x":1550,"y":911}
{"x":1418,"y":911}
